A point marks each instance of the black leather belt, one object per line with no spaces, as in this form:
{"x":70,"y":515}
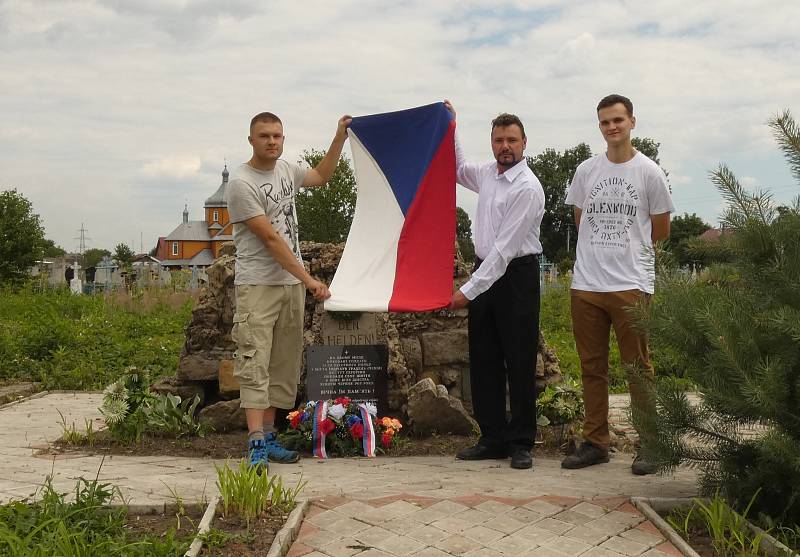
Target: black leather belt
{"x":522,"y":260}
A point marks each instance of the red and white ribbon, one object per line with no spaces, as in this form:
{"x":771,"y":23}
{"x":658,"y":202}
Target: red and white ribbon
{"x":318,"y":436}
{"x":368,"y":439}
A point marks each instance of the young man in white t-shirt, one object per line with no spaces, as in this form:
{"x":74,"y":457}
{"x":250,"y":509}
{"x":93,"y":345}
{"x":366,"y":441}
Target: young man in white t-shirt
{"x":271,"y":280}
{"x":622,"y":207}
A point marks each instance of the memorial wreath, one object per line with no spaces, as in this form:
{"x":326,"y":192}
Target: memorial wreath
{"x":339,"y":427}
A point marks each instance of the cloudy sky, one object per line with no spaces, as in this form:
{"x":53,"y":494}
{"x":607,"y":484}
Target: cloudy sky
{"x":115,"y":113}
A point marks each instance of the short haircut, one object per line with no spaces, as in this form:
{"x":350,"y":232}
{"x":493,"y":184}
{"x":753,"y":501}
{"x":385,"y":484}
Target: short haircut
{"x":611,"y":100}
{"x":266,"y":117}
{"x":506,"y":119}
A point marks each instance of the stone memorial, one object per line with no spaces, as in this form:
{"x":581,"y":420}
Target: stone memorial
{"x":354,"y":371}
{"x":420,"y":345}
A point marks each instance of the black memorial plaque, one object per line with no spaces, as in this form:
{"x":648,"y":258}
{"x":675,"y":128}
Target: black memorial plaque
{"x":357,"y":372}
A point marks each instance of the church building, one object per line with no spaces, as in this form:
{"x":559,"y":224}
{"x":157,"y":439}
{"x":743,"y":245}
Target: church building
{"x":197,"y":242}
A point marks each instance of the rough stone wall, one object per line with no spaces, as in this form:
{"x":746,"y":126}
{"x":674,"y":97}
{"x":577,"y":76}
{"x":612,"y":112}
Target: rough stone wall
{"x":421,"y":345}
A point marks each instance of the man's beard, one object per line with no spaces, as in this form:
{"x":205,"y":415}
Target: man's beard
{"x":507,"y":165}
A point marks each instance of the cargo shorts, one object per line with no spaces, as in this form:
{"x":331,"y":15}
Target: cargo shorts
{"x":268,"y":331}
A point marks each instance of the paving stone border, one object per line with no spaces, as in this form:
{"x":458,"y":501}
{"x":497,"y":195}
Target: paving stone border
{"x":286,"y":535}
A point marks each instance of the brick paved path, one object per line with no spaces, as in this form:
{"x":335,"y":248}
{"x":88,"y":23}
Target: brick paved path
{"x":394,"y":506}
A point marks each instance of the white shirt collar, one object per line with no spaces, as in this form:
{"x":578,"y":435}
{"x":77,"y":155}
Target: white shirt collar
{"x":512,"y":173}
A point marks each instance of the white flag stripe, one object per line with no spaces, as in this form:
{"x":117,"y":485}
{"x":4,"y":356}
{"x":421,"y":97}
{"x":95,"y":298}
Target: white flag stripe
{"x":364,"y":280}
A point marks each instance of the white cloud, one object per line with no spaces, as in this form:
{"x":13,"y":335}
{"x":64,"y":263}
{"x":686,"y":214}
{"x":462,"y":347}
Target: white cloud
{"x":180,"y":166}
{"x":115,"y":113}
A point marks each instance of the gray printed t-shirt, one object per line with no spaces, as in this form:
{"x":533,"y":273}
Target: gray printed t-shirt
{"x":254,"y":192}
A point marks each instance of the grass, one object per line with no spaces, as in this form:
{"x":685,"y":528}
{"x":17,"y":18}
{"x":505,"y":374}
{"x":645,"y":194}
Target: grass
{"x":81,"y":525}
{"x":66,"y":341}
{"x":248,"y":492}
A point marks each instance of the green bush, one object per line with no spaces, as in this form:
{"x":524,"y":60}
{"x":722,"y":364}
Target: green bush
{"x":131,"y":410}
{"x":86,"y":342}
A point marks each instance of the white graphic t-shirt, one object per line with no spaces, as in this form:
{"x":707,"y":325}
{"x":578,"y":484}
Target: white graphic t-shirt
{"x":254,"y":192}
{"x":614,"y":239}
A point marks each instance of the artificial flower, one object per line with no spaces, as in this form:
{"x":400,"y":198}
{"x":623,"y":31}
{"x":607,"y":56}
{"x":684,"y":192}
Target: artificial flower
{"x":352,"y":419}
{"x":294,"y":419}
{"x":343,"y":400}
{"x":371,"y":408}
{"x":337,"y":411}
{"x":326,"y":426}
{"x":386,"y":440}
{"x":357,"y":431}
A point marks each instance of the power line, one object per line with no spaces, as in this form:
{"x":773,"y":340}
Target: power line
{"x":82,"y":239}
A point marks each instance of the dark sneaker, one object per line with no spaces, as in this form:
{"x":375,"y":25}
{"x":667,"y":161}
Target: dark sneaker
{"x":482,"y":452}
{"x":586,"y":455}
{"x":277,"y":453}
{"x":521,"y":459}
{"x":641,"y":467}
{"x":257,"y":455}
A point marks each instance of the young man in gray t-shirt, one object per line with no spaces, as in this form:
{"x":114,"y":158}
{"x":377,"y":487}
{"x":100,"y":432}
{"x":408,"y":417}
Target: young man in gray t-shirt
{"x":271,"y":279}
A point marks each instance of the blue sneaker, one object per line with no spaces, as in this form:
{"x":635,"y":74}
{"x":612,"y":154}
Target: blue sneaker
{"x":257,"y":455}
{"x":276,"y":452}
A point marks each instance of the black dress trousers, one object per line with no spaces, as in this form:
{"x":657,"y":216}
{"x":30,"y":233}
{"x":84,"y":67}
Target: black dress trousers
{"x":503,"y":343}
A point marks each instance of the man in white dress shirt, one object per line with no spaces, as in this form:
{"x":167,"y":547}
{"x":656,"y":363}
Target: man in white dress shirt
{"x":503,"y":294}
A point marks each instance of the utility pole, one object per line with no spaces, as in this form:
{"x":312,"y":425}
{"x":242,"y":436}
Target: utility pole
{"x":569,"y":229}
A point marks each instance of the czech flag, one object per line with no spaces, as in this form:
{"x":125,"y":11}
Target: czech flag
{"x":400,"y":251}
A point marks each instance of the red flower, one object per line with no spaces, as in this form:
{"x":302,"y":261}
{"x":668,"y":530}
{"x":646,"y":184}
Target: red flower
{"x":295,"y":421}
{"x":357,"y":431}
{"x":343,"y":400}
{"x":386,"y":440}
{"x":326,"y":426}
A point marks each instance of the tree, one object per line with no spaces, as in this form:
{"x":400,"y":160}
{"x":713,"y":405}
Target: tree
{"x":21,"y":237}
{"x":50,"y":249}
{"x":464,"y":235}
{"x":123,"y":255}
{"x":325,"y":214}
{"x":683,"y":229}
{"x":648,"y":147}
{"x":735,"y":333}
{"x":91,"y":257}
{"x":555,"y":170}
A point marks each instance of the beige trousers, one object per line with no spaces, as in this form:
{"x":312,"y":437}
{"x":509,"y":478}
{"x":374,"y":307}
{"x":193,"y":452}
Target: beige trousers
{"x":268,"y":331}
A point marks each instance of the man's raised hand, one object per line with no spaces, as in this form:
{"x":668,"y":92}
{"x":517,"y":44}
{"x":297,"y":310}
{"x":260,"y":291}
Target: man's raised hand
{"x":341,"y":128}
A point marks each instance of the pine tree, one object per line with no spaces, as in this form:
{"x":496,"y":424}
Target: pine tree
{"x":735,"y":333}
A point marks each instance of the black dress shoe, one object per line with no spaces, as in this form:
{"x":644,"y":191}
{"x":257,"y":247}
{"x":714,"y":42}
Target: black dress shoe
{"x":482,"y":452}
{"x":586,"y":455}
{"x":521,"y":459}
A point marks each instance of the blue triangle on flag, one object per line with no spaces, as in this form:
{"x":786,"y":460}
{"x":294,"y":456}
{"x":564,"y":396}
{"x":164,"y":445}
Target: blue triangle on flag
{"x":403,"y":143}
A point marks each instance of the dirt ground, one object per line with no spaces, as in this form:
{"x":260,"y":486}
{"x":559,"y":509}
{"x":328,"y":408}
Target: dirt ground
{"x":229,"y":536}
{"x":232,"y":445}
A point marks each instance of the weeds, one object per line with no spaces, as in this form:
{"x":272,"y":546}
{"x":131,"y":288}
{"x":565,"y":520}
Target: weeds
{"x":248,"y":493}
{"x":85,"y":526}
{"x":85,"y":342}
{"x":728,"y":529}
{"x":131,"y":410}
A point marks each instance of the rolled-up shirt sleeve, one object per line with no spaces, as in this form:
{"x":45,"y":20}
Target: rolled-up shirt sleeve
{"x":467,"y":174}
{"x":525,"y":209}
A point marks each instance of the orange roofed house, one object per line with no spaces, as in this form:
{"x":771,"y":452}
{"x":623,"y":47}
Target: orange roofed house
{"x":197,"y":242}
